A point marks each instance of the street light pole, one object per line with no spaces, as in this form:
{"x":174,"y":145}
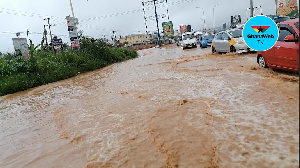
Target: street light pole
{"x":203,"y":17}
{"x":203,"y":24}
{"x":214,"y":16}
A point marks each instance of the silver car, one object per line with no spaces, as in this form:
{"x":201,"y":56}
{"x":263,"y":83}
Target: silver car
{"x":230,"y":41}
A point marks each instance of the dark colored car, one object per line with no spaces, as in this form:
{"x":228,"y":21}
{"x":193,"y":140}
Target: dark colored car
{"x":285,"y":53}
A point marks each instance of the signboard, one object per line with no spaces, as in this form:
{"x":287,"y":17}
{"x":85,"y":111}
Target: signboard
{"x":287,"y":8}
{"x":55,"y":41}
{"x":72,"y":28}
{"x":21,"y":46}
{"x":71,"y":21}
{"x":183,"y":29}
{"x":75,"y":44}
{"x":73,"y":33}
{"x":168,"y":28}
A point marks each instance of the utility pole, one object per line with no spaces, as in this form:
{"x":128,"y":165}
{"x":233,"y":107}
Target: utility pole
{"x":203,"y":17}
{"x":214,"y":17}
{"x":49,"y":26}
{"x":45,"y":35}
{"x":251,"y":8}
{"x":114,"y":38}
{"x":72,"y":9}
{"x":159,"y":42}
{"x":147,"y":3}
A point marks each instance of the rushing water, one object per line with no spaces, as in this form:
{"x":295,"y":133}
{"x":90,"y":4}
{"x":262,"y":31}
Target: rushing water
{"x":167,"y":108}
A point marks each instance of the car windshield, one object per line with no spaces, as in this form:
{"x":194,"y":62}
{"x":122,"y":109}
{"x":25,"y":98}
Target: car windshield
{"x":281,"y":19}
{"x":188,"y":36}
{"x":297,"y":25}
{"x":236,"y":33}
{"x":208,"y":37}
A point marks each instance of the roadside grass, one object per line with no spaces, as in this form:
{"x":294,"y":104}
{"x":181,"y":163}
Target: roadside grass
{"x":42,"y":67}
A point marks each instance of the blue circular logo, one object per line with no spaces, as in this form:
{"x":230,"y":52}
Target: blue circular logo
{"x":260,"y":33}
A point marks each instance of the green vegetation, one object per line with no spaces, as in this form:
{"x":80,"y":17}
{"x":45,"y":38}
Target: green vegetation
{"x":18,"y":73}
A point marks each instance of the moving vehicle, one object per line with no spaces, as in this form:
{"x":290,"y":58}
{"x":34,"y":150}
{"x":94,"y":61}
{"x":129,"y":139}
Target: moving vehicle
{"x":285,"y":53}
{"x":230,"y":41}
{"x":198,"y":34}
{"x":189,"y":40}
{"x":205,"y":40}
{"x":178,"y":39}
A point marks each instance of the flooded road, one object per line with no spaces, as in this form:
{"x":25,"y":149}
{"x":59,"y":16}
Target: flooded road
{"x":167,"y":108}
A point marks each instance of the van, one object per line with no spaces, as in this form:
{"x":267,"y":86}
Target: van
{"x":189,"y":40}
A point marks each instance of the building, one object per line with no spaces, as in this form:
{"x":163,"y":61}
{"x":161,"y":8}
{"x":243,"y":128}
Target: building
{"x":136,"y":39}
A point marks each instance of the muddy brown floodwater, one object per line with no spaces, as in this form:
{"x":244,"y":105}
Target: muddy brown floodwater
{"x":167,"y":108}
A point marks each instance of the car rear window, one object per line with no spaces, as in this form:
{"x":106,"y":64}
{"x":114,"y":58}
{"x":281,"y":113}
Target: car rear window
{"x":208,"y":37}
{"x":236,"y":33}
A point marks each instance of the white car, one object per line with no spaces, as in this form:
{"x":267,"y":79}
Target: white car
{"x":189,"y":40}
{"x":230,"y":41}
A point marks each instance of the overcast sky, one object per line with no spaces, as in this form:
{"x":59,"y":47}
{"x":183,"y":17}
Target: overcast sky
{"x":20,"y":15}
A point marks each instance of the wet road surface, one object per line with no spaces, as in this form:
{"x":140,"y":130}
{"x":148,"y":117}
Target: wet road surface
{"x":167,"y":108}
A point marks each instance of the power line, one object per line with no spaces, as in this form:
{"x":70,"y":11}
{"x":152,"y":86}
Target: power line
{"x":27,"y":14}
{"x":55,"y":18}
{"x":137,"y":10}
{"x":58,"y":21}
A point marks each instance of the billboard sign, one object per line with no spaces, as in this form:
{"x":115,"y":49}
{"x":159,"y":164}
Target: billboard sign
{"x":183,"y":29}
{"x":168,"y":28}
{"x":73,"y":33}
{"x":72,"y":28}
{"x":21,"y":46}
{"x":71,"y":21}
{"x":75,"y":44}
{"x":287,"y":8}
{"x":56,"y":41}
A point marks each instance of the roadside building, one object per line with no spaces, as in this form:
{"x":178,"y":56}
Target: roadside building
{"x":135,"y":39}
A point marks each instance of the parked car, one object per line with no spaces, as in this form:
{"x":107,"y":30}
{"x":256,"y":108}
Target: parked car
{"x":205,"y":40}
{"x":230,"y":41}
{"x":285,"y":53}
{"x":278,"y":19}
{"x":189,"y":40}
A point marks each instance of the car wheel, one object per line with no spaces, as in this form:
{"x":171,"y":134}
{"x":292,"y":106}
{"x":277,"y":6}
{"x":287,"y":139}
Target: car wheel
{"x":262,"y":62}
{"x":232,"y":49}
{"x":213,"y":49}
